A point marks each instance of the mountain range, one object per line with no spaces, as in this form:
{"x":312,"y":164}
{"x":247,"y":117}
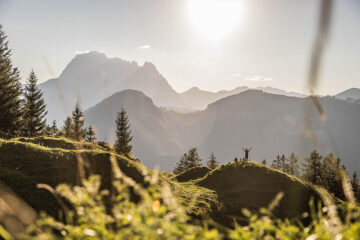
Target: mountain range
{"x":92,"y":77}
{"x":270,"y":124}
{"x":200,"y":99}
{"x":165,"y":123}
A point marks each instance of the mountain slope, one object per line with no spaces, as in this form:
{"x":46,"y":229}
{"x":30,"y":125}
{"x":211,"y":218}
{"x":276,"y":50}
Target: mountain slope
{"x":271,"y":124}
{"x":200,"y":99}
{"x":352,"y":93}
{"x":91,"y":77}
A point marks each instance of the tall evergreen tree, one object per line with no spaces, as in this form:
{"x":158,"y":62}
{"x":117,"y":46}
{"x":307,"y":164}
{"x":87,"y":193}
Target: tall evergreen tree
{"x":312,"y":168}
{"x":10,"y":92}
{"x":276,"y":163}
{"x":212,"y":163}
{"x":34,"y":108}
{"x":180,"y":166}
{"x":281,"y":163}
{"x":193,"y":159}
{"x":188,"y":160}
{"x":293,"y":165}
{"x":68,"y":127}
{"x":90,"y":134}
{"x":78,"y":131}
{"x":123,"y":134}
{"x":331,"y":176}
{"x":54,"y":127}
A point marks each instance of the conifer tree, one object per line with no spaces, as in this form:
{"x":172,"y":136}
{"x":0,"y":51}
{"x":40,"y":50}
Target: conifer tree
{"x":212,"y":163}
{"x":193,"y":159}
{"x":91,"y":135}
{"x":68,"y":127}
{"x":123,"y":134}
{"x":276,"y":163}
{"x":331,"y":176}
{"x":188,"y":160}
{"x":281,"y":163}
{"x":78,"y":131}
{"x":312,"y":168}
{"x":293,"y":165}
{"x":47,"y":131}
{"x":10,"y":92}
{"x":180,"y":166}
{"x":54,"y":127}
{"x":34,"y":108}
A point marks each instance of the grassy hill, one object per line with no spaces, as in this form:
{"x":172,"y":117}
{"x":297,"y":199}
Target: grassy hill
{"x":253,"y":186}
{"x":25,"y":162}
{"x":220,"y":194}
{"x":192,"y":174}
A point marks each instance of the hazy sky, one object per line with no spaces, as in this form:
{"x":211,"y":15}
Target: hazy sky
{"x":212,"y":44}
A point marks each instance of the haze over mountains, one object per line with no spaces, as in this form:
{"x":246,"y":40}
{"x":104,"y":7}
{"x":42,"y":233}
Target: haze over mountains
{"x":271,"y":124}
{"x":92,"y":76}
{"x":165,"y":123}
{"x":200,"y":99}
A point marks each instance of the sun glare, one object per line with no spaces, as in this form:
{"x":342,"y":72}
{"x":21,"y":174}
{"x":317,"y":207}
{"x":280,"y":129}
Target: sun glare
{"x":214,"y":18}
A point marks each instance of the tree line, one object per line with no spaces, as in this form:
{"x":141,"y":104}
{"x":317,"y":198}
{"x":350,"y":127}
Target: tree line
{"x":327,"y":171}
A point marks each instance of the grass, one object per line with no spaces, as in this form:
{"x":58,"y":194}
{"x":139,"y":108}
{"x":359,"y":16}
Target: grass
{"x":253,"y":186}
{"x":220,"y":194}
{"x":27,"y":162}
{"x":192,"y":174}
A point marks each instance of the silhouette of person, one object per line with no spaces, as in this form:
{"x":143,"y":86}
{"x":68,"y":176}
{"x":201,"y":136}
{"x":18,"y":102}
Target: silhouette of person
{"x":246,"y":150}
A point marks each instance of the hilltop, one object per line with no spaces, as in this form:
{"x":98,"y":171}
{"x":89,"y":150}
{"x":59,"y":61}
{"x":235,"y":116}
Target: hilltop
{"x":219,"y":194}
{"x":252,"y":186}
{"x":26,"y":162}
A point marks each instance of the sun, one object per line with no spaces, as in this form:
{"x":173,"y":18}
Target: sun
{"x":214,"y":18}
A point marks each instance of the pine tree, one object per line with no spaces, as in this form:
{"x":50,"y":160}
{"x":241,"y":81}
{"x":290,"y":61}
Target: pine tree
{"x":276,"y":163}
{"x":90,"y":135}
{"x":188,"y":160}
{"x":293,"y":166}
{"x":10,"y":92}
{"x":312,"y":168}
{"x":47,"y":131}
{"x":180,"y":166}
{"x":68,"y":127}
{"x":355,"y":186}
{"x":281,"y":163}
{"x":78,"y":131}
{"x":54,"y":127}
{"x":34,"y":108}
{"x":212,"y":163}
{"x":123,"y":134}
{"x":192,"y":159}
{"x":331,"y":176}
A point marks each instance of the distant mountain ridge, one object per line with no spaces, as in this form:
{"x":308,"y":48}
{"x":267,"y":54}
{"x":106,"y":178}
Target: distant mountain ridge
{"x":200,"y":99}
{"x":92,"y":77}
{"x":352,"y":94}
{"x":271,"y":124}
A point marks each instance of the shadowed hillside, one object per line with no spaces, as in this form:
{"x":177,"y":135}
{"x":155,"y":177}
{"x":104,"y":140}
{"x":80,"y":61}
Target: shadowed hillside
{"x":253,"y":186}
{"x":24,"y":163}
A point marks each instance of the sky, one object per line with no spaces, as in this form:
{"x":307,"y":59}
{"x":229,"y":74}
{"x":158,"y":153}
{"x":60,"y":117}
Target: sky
{"x":211,"y":44}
